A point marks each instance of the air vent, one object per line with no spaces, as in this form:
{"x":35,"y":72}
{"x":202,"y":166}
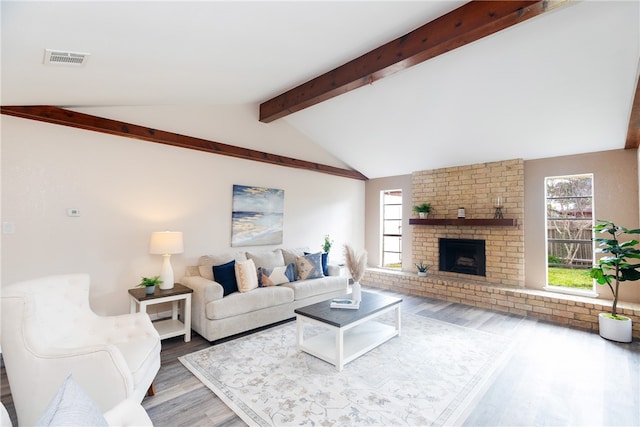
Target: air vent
{"x":61,"y":57}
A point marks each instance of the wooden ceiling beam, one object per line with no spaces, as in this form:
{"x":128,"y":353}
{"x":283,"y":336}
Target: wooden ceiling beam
{"x":633,"y":132}
{"x":464,"y":25}
{"x":61,"y":116}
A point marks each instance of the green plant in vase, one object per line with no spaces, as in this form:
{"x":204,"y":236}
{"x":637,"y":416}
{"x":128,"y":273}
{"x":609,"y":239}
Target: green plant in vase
{"x":613,"y":269}
{"x":150,"y":283}
{"x":422,"y":268}
{"x":422,"y":209}
{"x":326,"y":246}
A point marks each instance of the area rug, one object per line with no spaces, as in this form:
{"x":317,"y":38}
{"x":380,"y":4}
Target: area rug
{"x":429,"y":376}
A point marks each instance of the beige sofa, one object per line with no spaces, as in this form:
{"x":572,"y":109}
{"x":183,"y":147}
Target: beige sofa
{"x":216,"y":316}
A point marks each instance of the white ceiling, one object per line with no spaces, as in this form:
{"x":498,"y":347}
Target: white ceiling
{"x":560,"y":83}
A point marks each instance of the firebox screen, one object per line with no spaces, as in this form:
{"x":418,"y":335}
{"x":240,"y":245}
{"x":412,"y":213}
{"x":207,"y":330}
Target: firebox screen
{"x":463,"y":256}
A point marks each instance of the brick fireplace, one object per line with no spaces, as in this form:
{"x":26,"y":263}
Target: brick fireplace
{"x":473,"y":187}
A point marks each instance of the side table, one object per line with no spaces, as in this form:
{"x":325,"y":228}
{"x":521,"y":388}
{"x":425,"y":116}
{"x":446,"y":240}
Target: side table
{"x":170,"y":327}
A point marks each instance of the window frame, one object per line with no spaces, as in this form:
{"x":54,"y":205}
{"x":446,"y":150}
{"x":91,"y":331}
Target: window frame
{"x":562,"y":289}
{"x":383,"y":229}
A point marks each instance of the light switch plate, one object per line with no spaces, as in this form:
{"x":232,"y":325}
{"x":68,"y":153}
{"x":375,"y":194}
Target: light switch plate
{"x":8,"y":227}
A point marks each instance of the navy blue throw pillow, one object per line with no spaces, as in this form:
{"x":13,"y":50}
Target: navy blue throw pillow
{"x":225,"y":274}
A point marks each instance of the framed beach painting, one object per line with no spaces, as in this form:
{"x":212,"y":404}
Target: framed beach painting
{"x":257,"y":217}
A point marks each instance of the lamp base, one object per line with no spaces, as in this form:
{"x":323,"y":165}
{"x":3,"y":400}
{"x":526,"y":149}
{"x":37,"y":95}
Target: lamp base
{"x":165,"y":287}
{"x":166,"y":274}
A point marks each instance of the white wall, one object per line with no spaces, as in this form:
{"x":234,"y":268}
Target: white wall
{"x":373,"y":190}
{"x":126,"y":188}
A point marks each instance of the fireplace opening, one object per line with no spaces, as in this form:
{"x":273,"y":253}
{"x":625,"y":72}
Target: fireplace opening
{"x":464,"y":256}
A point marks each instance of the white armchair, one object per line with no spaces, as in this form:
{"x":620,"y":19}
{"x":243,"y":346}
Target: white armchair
{"x":50,"y":331}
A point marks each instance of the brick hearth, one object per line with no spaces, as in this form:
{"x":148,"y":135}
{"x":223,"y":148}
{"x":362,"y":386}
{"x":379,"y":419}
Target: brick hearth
{"x":574,"y":311}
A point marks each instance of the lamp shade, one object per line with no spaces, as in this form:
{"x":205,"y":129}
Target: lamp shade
{"x":166,"y":242}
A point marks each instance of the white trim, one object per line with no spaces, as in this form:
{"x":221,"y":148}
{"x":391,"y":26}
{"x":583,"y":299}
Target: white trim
{"x":571,"y":291}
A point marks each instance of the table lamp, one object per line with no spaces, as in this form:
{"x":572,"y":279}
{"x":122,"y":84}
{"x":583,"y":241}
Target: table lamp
{"x":166,"y":243}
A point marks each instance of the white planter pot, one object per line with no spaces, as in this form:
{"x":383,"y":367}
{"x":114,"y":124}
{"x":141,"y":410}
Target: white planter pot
{"x":615,"y":330}
{"x":423,"y":215}
{"x":422,"y":273}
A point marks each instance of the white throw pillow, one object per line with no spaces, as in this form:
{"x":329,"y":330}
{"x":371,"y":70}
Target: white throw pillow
{"x":246,"y":275}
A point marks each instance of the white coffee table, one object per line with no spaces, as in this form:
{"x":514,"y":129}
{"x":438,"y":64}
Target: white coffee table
{"x":350,"y":333}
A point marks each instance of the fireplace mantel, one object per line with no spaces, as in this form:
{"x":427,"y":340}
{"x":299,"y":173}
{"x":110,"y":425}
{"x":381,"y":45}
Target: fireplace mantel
{"x":504,"y":222}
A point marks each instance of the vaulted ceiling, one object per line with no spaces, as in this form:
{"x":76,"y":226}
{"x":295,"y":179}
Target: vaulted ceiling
{"x":559,"y":83}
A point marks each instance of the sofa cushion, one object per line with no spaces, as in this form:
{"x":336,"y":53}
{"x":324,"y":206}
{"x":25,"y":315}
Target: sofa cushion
{"x":246,"y":275}
{"x":225,"y":274}
{"x":267,"y":259}
{"x":308,"y":288}
{"x":309,"y":266}
{"x":206,"y":262}
{"x":276,"y":275}
{"x":206,"y":271}
{"x":291,"y":254}
{"x":241,"y":303}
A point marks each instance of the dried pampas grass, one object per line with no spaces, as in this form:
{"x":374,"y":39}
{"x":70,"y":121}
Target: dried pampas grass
{"x":356,"y":263}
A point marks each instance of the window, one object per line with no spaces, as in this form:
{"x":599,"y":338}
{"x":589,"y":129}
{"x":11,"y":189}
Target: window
{"x":392,"y":229}
{"x":569,"y":202}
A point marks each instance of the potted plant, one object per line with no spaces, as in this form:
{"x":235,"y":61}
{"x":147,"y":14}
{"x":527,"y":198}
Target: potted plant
{"x":150,"y":283}
{"x":422,"y":209}
{"x":612,"y":269}
{"x":422,"y":269}
{"x":326,"y":247}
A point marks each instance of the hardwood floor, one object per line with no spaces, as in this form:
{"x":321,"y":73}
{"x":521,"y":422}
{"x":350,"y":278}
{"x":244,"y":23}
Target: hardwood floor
{"x":555,"y":376}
